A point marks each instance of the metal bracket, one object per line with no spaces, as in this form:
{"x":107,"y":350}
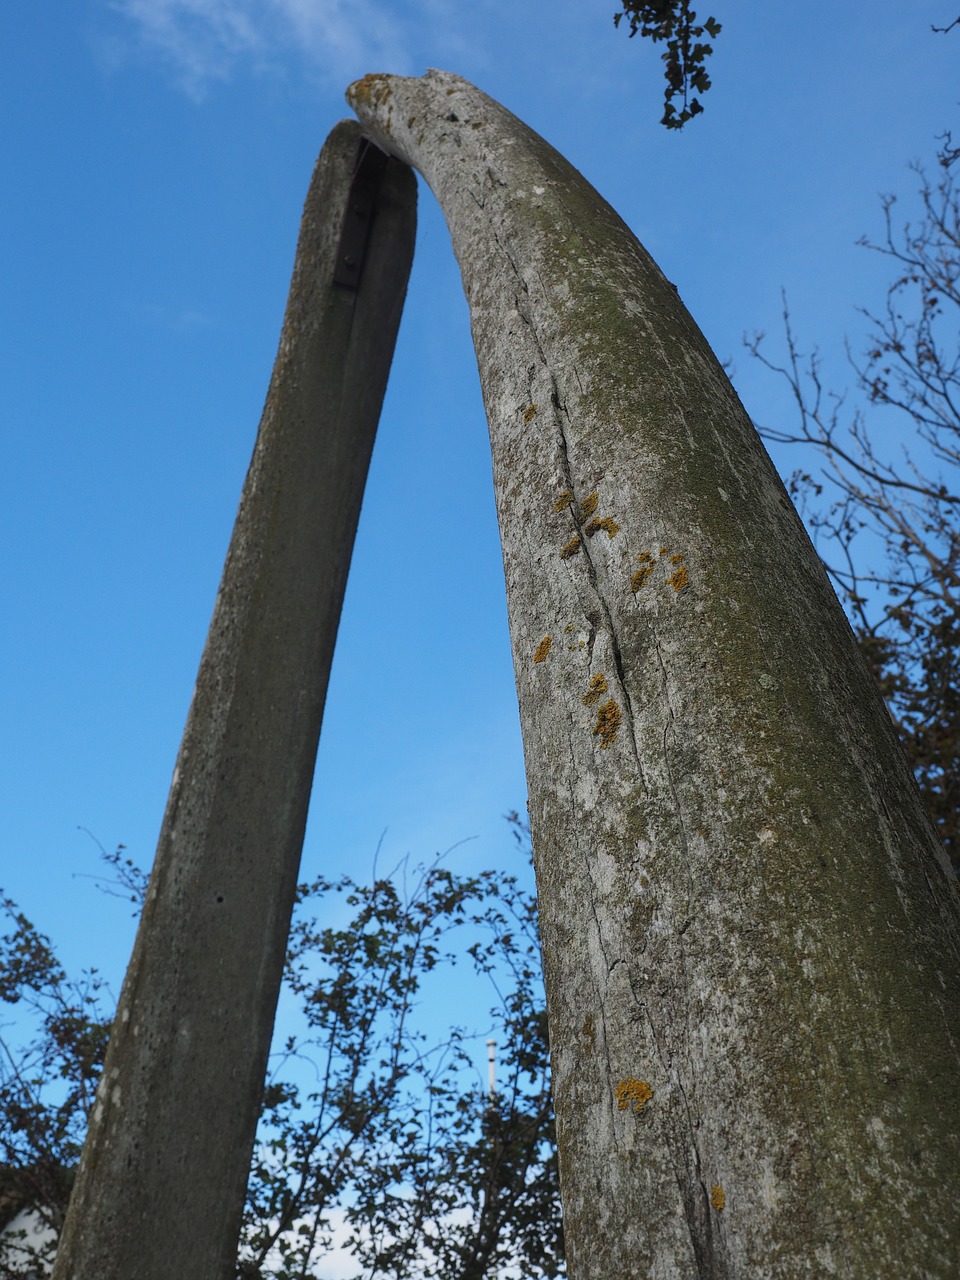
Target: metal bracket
{"x":358,"y":215}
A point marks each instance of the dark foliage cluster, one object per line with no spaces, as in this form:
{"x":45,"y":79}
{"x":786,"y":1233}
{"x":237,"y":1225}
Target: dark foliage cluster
{"x":674,"y":23}
{"x":48,"y":1079}
{"x":378,"y":1133}
{"x":884,"y":501}
{"x":394,"y":1137}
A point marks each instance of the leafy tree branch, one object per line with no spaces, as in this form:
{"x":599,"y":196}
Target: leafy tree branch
{"x":887,"y":518}
{"x":376,"y":1133}
{"x":674,"y":24}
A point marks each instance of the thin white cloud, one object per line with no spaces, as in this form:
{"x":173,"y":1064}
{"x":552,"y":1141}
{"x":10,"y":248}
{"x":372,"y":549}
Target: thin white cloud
{"x":335,"y":32}
{"x":199,"y":40}
{"x":187,"y":320}
{"x":203,"y":41}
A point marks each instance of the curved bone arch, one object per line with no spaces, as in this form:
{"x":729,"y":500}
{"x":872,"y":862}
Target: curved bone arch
{"x":750,"y":932}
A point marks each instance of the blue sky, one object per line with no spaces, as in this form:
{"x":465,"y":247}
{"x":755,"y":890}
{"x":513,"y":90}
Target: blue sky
{"x":155,"y":156}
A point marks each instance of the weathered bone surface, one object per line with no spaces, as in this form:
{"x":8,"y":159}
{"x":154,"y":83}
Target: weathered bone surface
{"x":749,"y":930}
{"x":161,"y":1184}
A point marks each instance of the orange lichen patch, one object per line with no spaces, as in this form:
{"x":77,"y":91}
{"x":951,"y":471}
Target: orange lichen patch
{"x":608,"y":524}
{"x":608,"y":723}
{"x":564,"y":500}
{"x":640,"y":578}
{"x":679,"y":579}
{"x":717,"y":1197}
{"x":571,"y":549}
{"x":595,"y":691}
{"x":370,"y":91}
{"x":530,"y":412}
{"x":542,"y":649}
{"x":589,"y":505}
{"x":631,"y":1091}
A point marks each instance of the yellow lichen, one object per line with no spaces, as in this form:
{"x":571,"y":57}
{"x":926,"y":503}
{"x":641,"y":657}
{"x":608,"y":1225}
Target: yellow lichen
{"x":564,"y":500}
{"x":679,"y":579}
{"x":530,"y":412}
{"x":608,"y":723}
{"x":542,"y":649}
{"x":717,"y":1198}
{"x":571,"y":548}
{"x":637,"y":1092}
{"x":589,"y":505}
{"x":595,"y":690}
{"x":609,"y":525}
{"x":371,"y":91}
{"x":639,"y":579}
